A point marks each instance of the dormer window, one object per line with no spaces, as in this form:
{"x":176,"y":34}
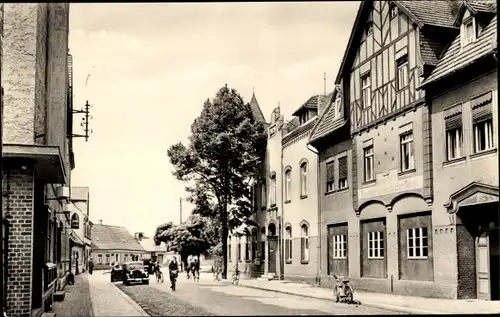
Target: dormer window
{"x":468,"y":31}
{"x":304,"y":117}
{"x":393,"y":11}
{"x":337,"y":107}
{"x":369,"y":29}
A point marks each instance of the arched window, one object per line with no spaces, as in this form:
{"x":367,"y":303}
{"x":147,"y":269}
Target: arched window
{"x":288,"y":244}
{"x":272,"y":198}
{"x":288,"y":184}
{"x":303,"y":179}
{"x":304,"y":243}
{"x":263,"y":243}
{"x":75,"y":221}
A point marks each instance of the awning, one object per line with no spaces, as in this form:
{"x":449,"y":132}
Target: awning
{"x":76,"y":239}
{"x":49,"y":165}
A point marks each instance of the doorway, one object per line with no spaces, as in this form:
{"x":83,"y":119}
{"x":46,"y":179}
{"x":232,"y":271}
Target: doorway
{"x":488,"y":266}
{"x":272,"y":247}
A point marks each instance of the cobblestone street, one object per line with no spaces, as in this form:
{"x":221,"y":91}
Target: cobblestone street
{"x":207,"y":297}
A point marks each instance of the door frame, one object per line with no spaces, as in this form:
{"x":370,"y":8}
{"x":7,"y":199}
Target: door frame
{"x":482,"y":275}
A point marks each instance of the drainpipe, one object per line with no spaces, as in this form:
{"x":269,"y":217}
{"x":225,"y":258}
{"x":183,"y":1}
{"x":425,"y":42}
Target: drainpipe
{"x":320,"y":238}
{"x":280,"y":218}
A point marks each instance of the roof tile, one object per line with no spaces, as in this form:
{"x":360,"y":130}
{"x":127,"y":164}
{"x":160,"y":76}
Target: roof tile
{"x":443,"y":12}
{"x":457,"y":58}
{"x":107,"y":237}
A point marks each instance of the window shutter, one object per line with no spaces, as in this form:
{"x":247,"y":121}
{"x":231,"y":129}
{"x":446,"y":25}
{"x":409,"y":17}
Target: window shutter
{"x":343,"y":167}
{"x":330,"y":172}
{"x":454,"y":122}
{"x":481,"y":108}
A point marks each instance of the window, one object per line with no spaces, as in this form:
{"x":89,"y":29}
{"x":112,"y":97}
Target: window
{"x":263,"y":194}
{"x":263,"y":243}
{"x":99,"y":259}
{"x":343,"y":172}
{"x":369,"y":29}
{"x":417,"y":243}
{"x":393,"y":11}
{"x":239,"y":249}
{"x":273,"y":190}
{"x":116,"y":257}
{"x":229,"y":248}
{"x":330,"y":176}
{"x":369,"y":163}
{"x":248,"y":247}
{"x":339,"y":246}
{"x":376,"y":245}
{"x":48,"y":242}
{"x":288,"y":244}
{"x":288,"y":184}
{"x":304,"y":243}
{"x":304,"y":117}
{"x":108,"y":257}
{"x":366,"y":91}
{"x":453,"y":130}
{"x":482,"y":122}
{"x":303,"y":179}
{"x":406,"y":148}
{"x":402,"y":65}
{"x":468,"y":33}
{"x":254,"y":244}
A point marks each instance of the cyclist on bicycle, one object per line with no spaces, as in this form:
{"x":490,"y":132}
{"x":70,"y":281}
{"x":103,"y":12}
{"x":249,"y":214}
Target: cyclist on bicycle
{"x":195,"y":269}
{"x":173,"y":268}
{"x":156,"y":270}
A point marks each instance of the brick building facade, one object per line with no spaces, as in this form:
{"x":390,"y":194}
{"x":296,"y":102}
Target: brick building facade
{"x":37,"y":154}
{"x":394,"y":227}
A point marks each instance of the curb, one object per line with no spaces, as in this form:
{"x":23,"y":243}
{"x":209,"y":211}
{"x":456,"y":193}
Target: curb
{"x":381,"y":306}
{"x":139,"y":309}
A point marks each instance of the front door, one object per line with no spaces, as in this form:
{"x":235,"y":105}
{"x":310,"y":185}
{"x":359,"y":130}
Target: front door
{"x":483,"y":266}
{"x":272,"y":247}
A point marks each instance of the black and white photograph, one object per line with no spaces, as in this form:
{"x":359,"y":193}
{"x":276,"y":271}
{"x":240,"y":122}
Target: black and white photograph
{"x":249,"y":158}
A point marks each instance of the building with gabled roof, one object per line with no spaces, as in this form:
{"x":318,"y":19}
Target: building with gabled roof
{"x":112,"y":245}
{"x":386,"y":230}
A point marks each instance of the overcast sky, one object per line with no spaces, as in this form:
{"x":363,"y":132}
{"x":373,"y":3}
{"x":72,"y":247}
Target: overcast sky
{"x":151,"y":67}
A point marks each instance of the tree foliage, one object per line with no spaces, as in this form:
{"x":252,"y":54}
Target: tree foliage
{"x":225,"y":152}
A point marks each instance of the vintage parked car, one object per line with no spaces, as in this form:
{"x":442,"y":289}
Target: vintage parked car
{"x":134,"y":273}
{"x":116,"y":273}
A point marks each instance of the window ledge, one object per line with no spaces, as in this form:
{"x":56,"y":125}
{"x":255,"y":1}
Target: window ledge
{"x":304,"y":261}
{"x":337,"y":191}
{"x":287,"y":201}
{"x":288,"y":262}
{"x":303,"y":196}
{"x":370,"y":182}
{"x":407,"y":172}
{"x":341,"y":190}
{"x":454,"y":161}
{"x":418,"y":259}
{"x":483,"y":153}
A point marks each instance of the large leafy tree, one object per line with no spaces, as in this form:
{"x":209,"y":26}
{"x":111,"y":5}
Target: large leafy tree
{"x":224,"y":154}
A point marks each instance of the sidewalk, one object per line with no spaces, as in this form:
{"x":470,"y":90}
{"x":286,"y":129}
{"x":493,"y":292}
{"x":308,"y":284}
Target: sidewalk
{"x":408,"y":304}
{"x":76,"y":300}
{"x":108,"y":300}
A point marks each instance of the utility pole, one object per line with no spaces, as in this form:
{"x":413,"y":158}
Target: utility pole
{"x":180,"y":211}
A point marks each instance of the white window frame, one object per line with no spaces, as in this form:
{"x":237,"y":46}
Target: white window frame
{"x":366,"y":91}
{"x":369,"y":161}
{"x":417,"y":234}
{"x":454,"y":150}
{"x":465,"y":39}
{"x":339,"y":246}
{"x":402,"y":71}
{"x":303,"y":179}
{"x":99,"y":259}
{"x":376,"y":249}
{"x":488,"y":134}
{"x":288,"y":184}
{"x":343,"y":184}
{"x":406,"y":143}
{"x":272,"y":193}
{"x":304,"y":234}
{"x":288,"y":240}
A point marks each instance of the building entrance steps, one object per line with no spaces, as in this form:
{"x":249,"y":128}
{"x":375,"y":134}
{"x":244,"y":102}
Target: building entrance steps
{"x":408,"y":304}
{"x":108,"y":300}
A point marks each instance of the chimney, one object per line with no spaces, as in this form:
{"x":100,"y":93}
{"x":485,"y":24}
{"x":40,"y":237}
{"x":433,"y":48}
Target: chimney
{"x":100,"y":221}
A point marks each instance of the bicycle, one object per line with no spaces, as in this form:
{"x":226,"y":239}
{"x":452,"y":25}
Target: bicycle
{"x":236,"y":277}
{"x":217,"y":274}
{"x":159,"y":276}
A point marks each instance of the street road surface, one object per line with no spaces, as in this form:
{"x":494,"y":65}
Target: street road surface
{"x":206,"y":297}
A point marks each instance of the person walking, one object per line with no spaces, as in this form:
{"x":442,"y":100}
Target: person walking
{"x":173,"y":268}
